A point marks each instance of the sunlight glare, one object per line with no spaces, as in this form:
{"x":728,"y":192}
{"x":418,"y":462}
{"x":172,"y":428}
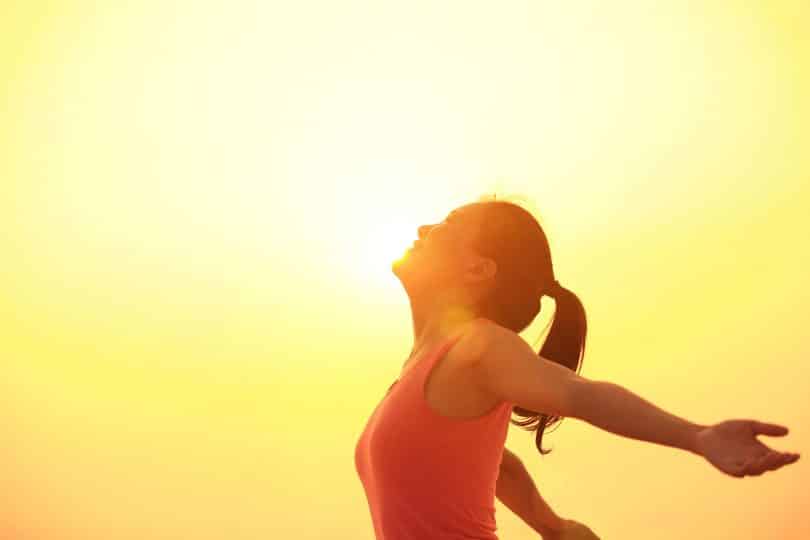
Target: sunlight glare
{"x":386,"y":241}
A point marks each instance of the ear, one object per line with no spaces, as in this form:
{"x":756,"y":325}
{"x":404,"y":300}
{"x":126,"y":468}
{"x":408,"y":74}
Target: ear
{"x":483,"y":269}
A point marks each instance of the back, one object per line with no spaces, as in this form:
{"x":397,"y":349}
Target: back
{"x":428,"y":476}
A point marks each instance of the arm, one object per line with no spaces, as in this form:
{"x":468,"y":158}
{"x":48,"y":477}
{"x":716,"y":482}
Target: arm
{"x":511,"y":370}
{"x":730,"y":446}
{"x":516,"y":490}
{"x":616,"y":409}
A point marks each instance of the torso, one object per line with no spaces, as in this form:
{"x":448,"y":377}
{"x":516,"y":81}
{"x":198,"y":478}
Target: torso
{"x":450,"y":389}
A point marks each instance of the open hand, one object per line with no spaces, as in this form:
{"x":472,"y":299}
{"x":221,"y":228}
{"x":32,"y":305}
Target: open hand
{"x":572,"y":530}
{"x":732,"y":447}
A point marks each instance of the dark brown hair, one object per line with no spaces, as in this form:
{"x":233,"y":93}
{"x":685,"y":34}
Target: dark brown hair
{"x":514,"y":239}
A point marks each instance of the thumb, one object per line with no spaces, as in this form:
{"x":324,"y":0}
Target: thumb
{"x":763,"y":428}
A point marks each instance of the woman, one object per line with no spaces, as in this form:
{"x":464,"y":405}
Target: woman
{"x":431,"y":457}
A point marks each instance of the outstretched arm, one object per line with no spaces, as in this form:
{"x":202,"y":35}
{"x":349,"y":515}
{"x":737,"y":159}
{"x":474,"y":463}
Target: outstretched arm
{"x":731,"y":446}
{"x":616,"y":409}
{"x":510,"y":370}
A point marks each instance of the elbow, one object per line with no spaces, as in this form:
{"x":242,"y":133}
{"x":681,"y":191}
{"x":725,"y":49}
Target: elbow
{"x":579,"y":398}
{"x":509,"y":460}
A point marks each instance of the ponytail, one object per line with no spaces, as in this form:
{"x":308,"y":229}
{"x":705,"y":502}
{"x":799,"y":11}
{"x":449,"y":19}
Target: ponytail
{"x":565,"y":345}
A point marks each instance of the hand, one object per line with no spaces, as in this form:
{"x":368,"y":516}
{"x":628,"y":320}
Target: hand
{"x":571,"y":530}
{"x":732,"y":447}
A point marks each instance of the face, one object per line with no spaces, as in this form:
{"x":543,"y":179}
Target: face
{"x":444,"y":257}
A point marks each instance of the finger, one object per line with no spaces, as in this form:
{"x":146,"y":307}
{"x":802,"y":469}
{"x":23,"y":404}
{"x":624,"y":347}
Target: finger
{"x":764,"y":428}
{"x":783,"y":459}
{"x":736,"y":469}
{"x":787,"y":459}
{"x":749,"y":466}
{"x":770,"y":462}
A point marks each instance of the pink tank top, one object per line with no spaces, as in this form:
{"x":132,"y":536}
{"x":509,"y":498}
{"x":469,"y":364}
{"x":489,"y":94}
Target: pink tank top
{"x":428,"y":476}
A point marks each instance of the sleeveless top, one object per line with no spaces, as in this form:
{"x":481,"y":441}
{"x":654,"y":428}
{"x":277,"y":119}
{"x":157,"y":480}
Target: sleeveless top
{"x":428,"y":476}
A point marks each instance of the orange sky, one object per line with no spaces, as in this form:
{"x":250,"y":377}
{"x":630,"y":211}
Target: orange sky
{"x":201,"y":203}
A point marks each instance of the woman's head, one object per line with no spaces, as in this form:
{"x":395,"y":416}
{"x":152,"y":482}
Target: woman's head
{"x":493,"y":259}
{"x":491,"y":255}
{"x":445,"y":260}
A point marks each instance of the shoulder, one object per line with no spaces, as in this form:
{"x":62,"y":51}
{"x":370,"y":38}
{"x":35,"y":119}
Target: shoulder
{"x":505,"y":367}
{"x":484,"y":339}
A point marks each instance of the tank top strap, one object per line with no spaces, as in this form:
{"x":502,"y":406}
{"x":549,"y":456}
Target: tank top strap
{"x":425,"y":362}
{"x":439,"y":351}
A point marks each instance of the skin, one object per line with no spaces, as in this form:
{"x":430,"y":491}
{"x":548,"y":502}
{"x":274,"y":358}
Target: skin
{"x":444,"y":276}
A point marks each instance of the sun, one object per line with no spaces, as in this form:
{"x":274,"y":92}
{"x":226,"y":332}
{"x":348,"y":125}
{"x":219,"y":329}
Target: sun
{"x":384,"y":242}
{"x":368,"y":240}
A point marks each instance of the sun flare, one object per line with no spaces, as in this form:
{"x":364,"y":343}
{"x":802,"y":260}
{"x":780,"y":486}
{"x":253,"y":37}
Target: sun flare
{"x":383,"y":242}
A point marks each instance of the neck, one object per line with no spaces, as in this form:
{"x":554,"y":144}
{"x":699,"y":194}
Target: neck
{"x":436,"y":318}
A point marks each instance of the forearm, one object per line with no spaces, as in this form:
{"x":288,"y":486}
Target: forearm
{"x":516,"y":490}
{"x":616,"y":409}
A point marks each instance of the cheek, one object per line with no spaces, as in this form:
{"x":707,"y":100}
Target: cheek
{"x":449,"y":265}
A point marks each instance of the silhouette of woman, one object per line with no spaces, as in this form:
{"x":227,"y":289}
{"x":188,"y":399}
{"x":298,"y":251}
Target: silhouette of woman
{"x":431,"y":457}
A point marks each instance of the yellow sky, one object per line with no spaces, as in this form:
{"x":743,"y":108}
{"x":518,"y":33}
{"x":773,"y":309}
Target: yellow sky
{"x":201,"y":202}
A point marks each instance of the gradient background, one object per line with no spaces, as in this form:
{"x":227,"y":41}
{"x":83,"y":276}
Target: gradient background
{"x":201,"y":202}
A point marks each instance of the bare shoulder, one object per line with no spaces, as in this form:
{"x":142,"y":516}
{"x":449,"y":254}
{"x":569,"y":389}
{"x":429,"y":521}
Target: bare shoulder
{"x":478,"y":339}
{"x":506,"y":367}
{"x":486,"y":340}
{"x":485,"y":344}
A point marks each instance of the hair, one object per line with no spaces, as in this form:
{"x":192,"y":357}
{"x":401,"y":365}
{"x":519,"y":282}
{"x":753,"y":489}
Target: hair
{"x":514,"y":239}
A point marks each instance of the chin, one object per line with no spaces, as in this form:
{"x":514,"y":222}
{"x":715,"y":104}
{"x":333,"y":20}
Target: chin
{"x":401,"y":268}
{"x":403,"y":262}
{"x":396,"y":266}
{"x":415,"y":285}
